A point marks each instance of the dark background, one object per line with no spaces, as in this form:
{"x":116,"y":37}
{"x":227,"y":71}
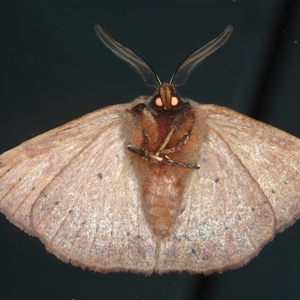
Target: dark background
{"x":54,"y":69}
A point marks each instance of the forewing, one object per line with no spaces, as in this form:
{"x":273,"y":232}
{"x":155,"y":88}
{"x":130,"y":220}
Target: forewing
{"x":225,"y":219}
{"x":78,"y":194}
{"x":271,"y":156}
{"x":27,"y":169}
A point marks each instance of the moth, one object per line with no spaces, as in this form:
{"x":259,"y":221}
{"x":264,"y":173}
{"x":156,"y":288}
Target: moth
{"x":160,"y":184}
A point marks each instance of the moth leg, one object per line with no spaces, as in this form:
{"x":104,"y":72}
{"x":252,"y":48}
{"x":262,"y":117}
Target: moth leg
{"x":166,"y":141}
{"x":181,"y":164}
{"x":181,"y":142}
{"x":157,"y":159}
{"x":181,"y":127}
{"x":144,"y":154}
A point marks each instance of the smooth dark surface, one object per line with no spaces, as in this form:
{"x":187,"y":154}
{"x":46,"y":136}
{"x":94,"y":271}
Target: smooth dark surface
{"x":54,"y":69}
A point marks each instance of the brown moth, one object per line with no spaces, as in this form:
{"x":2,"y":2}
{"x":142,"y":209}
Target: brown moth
{"x":156,"y":185}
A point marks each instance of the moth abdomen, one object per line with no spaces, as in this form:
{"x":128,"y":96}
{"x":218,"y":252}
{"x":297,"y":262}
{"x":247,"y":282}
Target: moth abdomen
{"x":162,"y":197}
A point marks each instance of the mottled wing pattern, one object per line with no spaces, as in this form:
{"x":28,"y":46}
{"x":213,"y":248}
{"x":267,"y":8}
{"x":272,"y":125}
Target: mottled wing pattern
{"x":271,"y":156}
{"x":225,"y":219}
{"x":74,"y":188}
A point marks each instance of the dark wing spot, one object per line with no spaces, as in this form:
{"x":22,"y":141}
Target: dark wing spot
{"x":56,"y":202}
{"x":186,"y":237}
{"x":99,"y":175}
{"x":216,"y":179}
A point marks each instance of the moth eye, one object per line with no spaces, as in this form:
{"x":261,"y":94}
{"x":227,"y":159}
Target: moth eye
{"x":158,"y":102}
{"x":174,"y":101}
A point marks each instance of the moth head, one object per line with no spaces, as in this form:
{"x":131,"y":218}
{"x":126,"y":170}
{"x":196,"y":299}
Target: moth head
{"x":166,"y":98}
